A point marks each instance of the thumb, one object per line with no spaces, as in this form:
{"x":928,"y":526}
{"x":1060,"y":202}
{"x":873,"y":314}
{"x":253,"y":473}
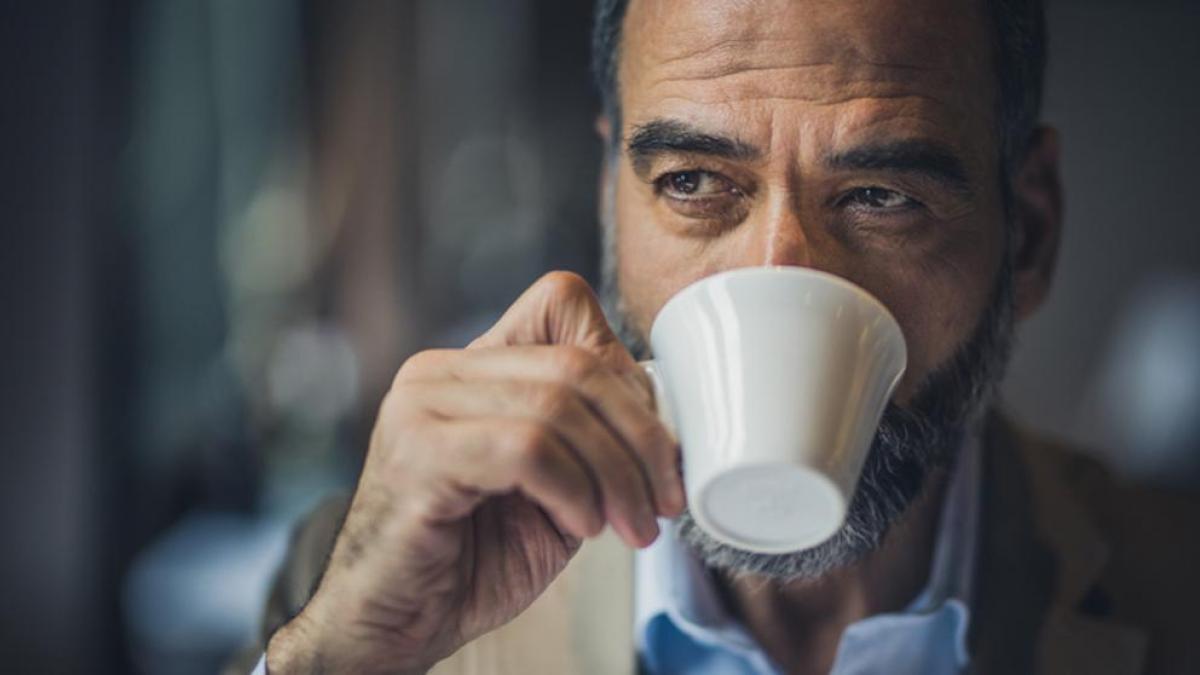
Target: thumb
{"x":558,"y":309}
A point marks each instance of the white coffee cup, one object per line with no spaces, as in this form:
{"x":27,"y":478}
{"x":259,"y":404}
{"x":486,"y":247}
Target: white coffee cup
{"x":774,"y":380}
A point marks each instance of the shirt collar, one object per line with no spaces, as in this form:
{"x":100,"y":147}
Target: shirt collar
{"x":670,"y":581}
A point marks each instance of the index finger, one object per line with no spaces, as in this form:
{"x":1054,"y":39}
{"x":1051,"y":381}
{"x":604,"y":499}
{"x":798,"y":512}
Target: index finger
{"x":559,"y":309}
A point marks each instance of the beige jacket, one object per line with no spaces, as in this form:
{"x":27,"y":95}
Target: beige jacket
{"x":1076,"y":574}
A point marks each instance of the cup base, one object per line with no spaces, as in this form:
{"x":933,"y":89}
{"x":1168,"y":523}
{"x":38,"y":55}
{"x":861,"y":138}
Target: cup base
{"x":770,"y":507}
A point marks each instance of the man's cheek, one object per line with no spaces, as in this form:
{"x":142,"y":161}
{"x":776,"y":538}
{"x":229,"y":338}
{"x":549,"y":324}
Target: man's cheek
{"x":937,"y":318}
{"x":937,"y":289}
{"x":647,"y":281}
{"x":923,"y":339}
{"x":651,"y":265}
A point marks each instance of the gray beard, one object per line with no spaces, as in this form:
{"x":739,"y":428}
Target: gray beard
{"x":911,"y":443}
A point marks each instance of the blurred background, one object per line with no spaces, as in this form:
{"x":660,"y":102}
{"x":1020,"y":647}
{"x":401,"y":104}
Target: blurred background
{"x":226,"y":224}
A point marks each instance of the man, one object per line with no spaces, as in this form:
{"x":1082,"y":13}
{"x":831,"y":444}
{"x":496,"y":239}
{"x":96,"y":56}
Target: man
{"x":891,"y":143}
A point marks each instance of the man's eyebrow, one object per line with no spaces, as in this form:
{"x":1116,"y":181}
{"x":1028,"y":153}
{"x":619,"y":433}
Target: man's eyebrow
{"x":926,"y":158}
{"x":672,"y":136}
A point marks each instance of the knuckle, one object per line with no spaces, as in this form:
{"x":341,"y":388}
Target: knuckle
{"x":634,"y":481}
{"x":575,"y":363}
{"x":553,"y":400}
{"x":563,"y":285}
{"x":623,"y":480}
{"x":648,"y":437}
{"x":418,"y":363}
{"x":528,"y":445}
{"x":399,"y":404}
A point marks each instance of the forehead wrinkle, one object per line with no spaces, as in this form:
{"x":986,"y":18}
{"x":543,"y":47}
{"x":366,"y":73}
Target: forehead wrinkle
{"x":771,"y":77}
{"x":730,"y":101}
{"x":720,"y":45}
{"x":837,"y":69}
{"x":865,"y":123}
{"x":733,"y":92}
{"x":856,"y":75}
{"x":749,"y":64}
{"x":712,"y":42}
{"x":822,"y":45}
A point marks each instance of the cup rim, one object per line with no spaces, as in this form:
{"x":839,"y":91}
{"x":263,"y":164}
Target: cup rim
{"x":772,"y":270}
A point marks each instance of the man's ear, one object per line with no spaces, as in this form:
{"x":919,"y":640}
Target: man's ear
{"x":1037,"y":221}
{"x":605,"y":179}
{"x":604,"y":129}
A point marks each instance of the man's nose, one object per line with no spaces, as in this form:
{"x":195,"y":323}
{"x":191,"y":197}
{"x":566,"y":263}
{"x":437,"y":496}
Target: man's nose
{"x":780,"y":239}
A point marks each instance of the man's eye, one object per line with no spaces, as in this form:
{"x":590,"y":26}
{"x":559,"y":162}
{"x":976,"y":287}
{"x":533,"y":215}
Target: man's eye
{"x":878,"y":198}
{"x":694,"y":184}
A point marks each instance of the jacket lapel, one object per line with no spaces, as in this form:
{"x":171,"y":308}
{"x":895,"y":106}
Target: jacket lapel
{"x":1014,"y":583}
{"x":1040,"y":556}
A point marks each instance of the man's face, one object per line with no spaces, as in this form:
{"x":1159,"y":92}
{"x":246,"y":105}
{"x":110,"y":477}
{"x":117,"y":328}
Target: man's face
{"x":851,"y":136}
{"x":855,"y":137}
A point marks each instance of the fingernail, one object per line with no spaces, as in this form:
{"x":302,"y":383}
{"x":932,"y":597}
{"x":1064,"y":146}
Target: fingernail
{"x":646,"y":524}
{"x":649,"y":532}
{"x":666,"y":497}
{"x":676,"y":497}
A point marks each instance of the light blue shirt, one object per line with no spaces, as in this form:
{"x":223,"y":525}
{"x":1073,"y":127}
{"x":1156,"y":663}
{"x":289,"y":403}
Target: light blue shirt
{"x":682,"y":627}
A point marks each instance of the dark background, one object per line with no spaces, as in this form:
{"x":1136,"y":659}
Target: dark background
{"x":225,"y":225}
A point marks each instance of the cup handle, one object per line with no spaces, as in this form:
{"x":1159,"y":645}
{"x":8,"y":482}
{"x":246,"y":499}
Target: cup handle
{"x":661,"y":401}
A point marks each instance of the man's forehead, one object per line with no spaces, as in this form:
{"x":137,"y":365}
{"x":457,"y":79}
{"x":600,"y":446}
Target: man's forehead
{"x":815,"y":50}
{"x":711,"y":37}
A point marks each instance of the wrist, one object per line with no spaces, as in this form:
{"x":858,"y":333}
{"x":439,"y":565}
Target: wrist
{"x":300,"y":647}
{"x":292,"y":650}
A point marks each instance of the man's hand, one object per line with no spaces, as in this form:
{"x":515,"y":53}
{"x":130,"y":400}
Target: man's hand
{"x":487,"y":468}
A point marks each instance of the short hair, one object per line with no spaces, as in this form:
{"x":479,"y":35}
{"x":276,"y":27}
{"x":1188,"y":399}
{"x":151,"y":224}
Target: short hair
{"x":1018,"y":49}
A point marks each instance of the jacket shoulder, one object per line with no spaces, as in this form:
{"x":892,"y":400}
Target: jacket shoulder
{"x":1126,"y":513}
{"x":1150,"y":552}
